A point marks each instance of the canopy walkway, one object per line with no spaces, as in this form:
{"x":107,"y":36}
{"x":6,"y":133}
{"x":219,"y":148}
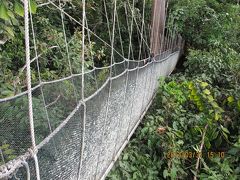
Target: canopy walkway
{"x":77,"y":126}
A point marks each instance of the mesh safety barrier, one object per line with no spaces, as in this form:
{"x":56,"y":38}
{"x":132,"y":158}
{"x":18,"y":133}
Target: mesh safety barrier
{"x":111,"y":116}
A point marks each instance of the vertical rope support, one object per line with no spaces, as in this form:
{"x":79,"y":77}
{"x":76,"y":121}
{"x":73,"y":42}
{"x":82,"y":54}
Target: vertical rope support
{"x":130,"y":46}
{"x":136,"y":84}
{"x":90,"y":47}
{"x":172,"y":34}
{"x":29,"y":86}
{"x":115,"y":18}
{"x":142,"y":28}
{"x":110,"y":87}
{"x":147,"y":37}
{"x":83,"y":87}
{"x":120,"y":36}
{"x":106,"y":14}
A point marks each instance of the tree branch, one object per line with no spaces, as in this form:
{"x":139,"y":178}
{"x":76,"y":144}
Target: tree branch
{"x":201,"y":148}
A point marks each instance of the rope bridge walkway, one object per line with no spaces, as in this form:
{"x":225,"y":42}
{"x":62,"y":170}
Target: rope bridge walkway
{"x":77,"y":126}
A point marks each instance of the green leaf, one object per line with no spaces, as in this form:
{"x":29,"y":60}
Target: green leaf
{"x":11,"y":157}
{"x":5,"y":146}
{"x":206,"y":91}
{"x":217,"y":116}
{"x":7,"y":93}
{"x":218,"y":141}
{"x":33,"y":6}
{"x":224,"y":129}
{"x":230,"y":99}
{"x":4,"y":12}
{"x":225,"y":136}
{"x":204,"y":84}
{"x":233,"y":151}
{"x":238,"y":103}
{"x":173,"y":172}
{"x":207,"y":143}
{"x":210,"y":98}
{"x":179,"y":133}
{"x":165,"y":173}
{"x":190,"y":86}
{"x":8,"y":152}
{"x":125,"y":157}
{"x":175,"y":125}
{"x":180,"y":142}
{"x":9,"y":31}
{"x":18,"y":9}
{"x":10,"y":14}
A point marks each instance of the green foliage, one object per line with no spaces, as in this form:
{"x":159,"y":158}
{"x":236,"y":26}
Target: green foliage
{"x":10,"y":13}
{"x":208,"y":24}
{"x":216,"y":66}
{"x":6,"y":153}
{"x":176,"y":123}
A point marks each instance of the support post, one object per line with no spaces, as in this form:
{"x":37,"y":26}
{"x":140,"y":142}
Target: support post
{"x":158,"y":25}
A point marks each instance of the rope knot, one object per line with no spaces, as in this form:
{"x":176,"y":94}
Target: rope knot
{"x":33,"y":151}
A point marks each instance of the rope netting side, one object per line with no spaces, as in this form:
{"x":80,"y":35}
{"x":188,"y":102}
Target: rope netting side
{"x":110,"y":87}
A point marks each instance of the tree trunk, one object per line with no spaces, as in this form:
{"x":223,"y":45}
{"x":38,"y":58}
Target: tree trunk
{"x":158,"y":25}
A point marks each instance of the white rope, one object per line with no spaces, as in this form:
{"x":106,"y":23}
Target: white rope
{"x":120,"y":36}
{"x":91,"y":50}
{"x":83,"y":87}
{"x":108,"y":25}
{"x":142,"y":29}
{"x":28,"y":75}
{"x":131,"y":32}
{"x":147,"y":39}
{"x":162,"y":36}
{"x":136,"y":84}
{"x":128,"y":26}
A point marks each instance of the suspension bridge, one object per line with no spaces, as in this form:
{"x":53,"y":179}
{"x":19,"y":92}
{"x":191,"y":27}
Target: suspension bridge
{"x":76,"y":127}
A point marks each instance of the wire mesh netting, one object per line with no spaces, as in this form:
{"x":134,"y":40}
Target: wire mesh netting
{"x":111,"y":114}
